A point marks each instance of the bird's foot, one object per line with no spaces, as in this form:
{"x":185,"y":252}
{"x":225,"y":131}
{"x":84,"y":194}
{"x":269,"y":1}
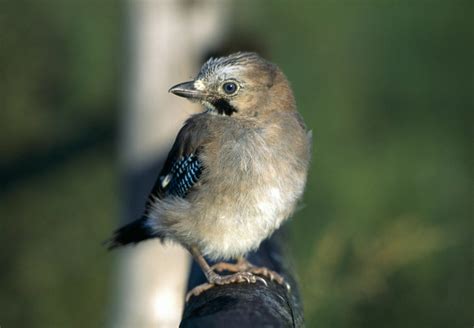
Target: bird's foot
{"x":196,"y":291}
{"x":269,"y":274}
{"x":238,"y":277}
{"x":217,"y":280}
{"x":240,"y":266}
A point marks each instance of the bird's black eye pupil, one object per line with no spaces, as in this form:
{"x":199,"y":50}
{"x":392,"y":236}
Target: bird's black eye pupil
{"x":230,"y":87}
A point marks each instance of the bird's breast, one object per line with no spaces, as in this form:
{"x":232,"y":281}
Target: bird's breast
{"x":250,"y":186}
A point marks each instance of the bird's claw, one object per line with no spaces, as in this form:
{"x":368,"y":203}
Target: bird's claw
{"x":270,"y":275}
{"x":196,"y":291}
{"x":245,"y":266}
{"x":251,"y":277}
{"x":238,"y":277}
{"x":263,"y":281}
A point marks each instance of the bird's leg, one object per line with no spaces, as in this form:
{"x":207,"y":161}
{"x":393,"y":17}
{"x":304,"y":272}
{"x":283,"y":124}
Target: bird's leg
{"x":242,"y":265}
{"x":215,"y":279}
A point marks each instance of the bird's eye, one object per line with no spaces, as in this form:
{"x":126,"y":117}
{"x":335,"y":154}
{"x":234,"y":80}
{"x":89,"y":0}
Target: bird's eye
{"x":229,"y":87}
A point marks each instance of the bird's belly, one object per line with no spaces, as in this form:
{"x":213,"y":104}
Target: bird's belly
{"x":252,"y":189}
{"x":239,"y":225}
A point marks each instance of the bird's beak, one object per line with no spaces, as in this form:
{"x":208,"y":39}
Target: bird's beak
{"x":186,"y":90}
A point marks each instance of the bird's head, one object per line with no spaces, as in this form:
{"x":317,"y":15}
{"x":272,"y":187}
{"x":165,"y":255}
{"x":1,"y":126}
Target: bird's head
{"x":241,"y":84}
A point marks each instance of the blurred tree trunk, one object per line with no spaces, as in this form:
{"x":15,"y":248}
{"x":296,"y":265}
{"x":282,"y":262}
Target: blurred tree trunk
{"x":165,"y":43}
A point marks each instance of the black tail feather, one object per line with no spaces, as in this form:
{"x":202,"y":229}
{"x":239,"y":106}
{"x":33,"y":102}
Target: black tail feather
{"x":131,"y":233}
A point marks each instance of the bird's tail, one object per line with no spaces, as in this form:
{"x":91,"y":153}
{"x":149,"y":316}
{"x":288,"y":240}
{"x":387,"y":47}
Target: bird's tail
{"x":132,"y":233}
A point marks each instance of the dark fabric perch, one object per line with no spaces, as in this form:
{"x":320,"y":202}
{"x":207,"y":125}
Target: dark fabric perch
{"x":247,"y":305}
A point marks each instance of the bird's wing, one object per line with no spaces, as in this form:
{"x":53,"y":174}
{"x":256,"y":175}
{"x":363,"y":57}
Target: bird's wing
{"x":179,"y":176}
{"x":183,"y":166}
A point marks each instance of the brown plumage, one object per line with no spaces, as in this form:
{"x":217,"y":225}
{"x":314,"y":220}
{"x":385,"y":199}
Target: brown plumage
{"x":235,"y":171}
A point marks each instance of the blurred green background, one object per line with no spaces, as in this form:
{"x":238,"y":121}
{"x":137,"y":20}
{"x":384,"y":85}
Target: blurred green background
{"x":385,"y":236}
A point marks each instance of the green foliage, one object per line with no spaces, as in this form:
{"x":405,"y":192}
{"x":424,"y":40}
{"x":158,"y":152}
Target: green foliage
{"x":58,"y":73}
{"x":59,"y":63}
{"x":384,"y":237}
{"x":54,"y":271}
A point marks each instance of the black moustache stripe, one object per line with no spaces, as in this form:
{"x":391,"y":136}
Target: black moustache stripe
{"x":223,"y":107}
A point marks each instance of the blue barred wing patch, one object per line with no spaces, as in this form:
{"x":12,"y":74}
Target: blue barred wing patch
{"x":183,"y":175}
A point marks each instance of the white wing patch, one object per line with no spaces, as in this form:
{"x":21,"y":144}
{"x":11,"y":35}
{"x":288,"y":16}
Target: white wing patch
{"x":166,"y":180}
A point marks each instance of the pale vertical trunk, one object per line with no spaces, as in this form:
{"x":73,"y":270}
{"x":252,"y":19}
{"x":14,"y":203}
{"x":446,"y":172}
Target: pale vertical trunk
{"x":165,"y":42}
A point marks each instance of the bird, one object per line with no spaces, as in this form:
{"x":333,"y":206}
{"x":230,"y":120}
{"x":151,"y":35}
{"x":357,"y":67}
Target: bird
{"x":235,"y":172}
